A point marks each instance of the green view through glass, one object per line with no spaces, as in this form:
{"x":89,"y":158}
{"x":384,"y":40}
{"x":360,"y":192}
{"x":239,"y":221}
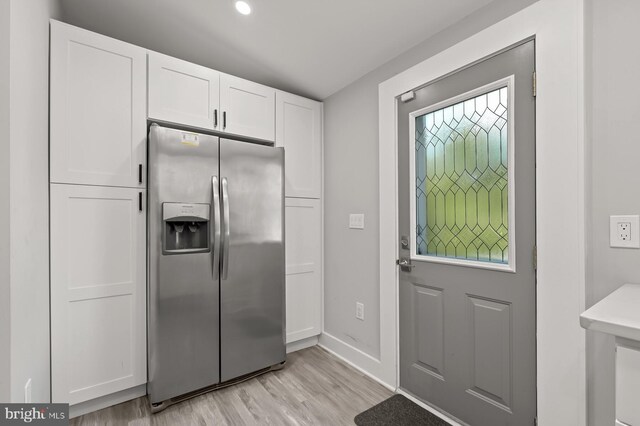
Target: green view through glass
{"x":461,"y":174}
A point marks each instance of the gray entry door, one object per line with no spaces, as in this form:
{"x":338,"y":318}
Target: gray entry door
{"x":467,"y":224}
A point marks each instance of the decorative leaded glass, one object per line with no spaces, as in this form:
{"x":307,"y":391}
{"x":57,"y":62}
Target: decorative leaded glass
{"x":462,"y":180}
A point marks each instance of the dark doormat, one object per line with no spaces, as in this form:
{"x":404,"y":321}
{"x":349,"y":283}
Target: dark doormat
{"x":398,"y":411}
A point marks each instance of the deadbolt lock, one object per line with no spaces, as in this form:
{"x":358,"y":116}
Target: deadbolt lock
{"x":404,"y":243}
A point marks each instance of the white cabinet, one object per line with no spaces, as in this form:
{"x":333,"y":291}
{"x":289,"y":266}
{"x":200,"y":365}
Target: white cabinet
{"x":192,"y":95}
{"x":98,"y":89}
{"x":627,"y":382}
{"x":299,"y":131}
{"x":618,"y":315}
{"x":98,"y":108}
{"x":98,"y":288}
{"x":248,"y":108}
{"x":182,"y":92}
{"x":303,"y":268}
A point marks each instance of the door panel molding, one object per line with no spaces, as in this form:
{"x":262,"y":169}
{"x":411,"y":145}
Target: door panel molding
{"x":428,"y":312}
{"x":494,"y":357}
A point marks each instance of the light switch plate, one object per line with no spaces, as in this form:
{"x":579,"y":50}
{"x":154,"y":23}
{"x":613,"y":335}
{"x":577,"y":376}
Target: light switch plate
{"x":624,"y":232}
{"x":356,"y":221}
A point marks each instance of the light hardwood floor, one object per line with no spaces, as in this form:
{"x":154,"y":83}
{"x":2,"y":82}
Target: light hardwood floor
{"x":314,"y":388}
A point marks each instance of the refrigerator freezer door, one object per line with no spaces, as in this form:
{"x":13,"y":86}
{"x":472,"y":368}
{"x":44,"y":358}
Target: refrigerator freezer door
{"x":252,"y":287}
{"x":183,"y":288}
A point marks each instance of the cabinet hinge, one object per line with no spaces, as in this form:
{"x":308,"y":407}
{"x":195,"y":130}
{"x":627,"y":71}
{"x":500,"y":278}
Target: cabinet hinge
{"x":534,"y":84}
{"x":535,"y":258}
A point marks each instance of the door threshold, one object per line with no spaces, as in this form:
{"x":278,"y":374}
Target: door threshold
{"x":432,"y":409}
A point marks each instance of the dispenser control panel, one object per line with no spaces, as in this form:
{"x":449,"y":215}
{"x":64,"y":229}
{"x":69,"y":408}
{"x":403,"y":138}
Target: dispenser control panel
{"x":185,"y":228}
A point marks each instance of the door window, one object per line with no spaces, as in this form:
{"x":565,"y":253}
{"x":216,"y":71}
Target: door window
{"x":463,"y":174}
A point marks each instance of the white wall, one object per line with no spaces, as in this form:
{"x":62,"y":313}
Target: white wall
{"x":613,"y":111}
{"x":29,"y":193}
{"x":351,"y":185}
{"x":5,"y":311}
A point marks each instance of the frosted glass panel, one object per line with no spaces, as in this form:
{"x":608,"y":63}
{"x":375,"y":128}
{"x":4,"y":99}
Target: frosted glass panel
{"x":461,"y":174}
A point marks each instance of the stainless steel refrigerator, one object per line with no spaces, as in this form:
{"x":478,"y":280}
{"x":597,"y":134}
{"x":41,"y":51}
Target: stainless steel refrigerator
{"x":216,"y":262}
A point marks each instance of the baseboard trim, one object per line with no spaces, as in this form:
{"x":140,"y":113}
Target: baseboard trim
{"x":353,"y":356}
{"x":298,"y":345}
{"x":107,"y":401}
{"x":431,"y":409}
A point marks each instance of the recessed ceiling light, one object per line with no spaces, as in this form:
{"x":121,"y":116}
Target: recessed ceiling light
{"x":243,"y":7}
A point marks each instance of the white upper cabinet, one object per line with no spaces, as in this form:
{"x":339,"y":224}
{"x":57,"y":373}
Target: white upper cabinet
{"x":299,"y":131}
{"x":248,"y":108}
{"x":192,"y":95}
{"x":182,"y":92}
{"x":98,"y":109}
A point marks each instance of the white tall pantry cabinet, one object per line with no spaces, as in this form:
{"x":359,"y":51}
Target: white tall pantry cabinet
{"x":299,"y":131}
{"x":98,"y":235}
{"x":103,"y":94}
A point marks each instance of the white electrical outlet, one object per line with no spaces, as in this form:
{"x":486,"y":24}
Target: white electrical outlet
{"x":624,"y":232}
{"x":27,"y":392}
{"x":356,"y":221}
{"x":360,"y":311}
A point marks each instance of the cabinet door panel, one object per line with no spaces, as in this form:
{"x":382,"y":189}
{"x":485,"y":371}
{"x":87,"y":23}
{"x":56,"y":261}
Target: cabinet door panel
{"x":627,"y":382}
{"x":182,"y":92}
{"x":299,"y":131}
{"x":98,"y":120}
{"x":249,"y":108}
{"x":98,"y":291}
{"x":304,"y":268}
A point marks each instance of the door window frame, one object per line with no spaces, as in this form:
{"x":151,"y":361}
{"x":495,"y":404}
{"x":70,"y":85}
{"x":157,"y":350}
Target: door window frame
{"x":510,"y":266}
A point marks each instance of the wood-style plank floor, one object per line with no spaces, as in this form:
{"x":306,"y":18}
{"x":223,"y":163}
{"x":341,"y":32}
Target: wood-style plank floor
{"x":314,"y":388}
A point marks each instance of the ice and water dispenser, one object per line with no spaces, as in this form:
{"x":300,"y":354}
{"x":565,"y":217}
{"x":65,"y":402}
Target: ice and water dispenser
{"x":185,"y":228}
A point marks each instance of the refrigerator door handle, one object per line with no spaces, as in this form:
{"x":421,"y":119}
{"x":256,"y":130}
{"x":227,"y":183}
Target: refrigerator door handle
{"x":227,"y":232}
{"x":215,"y":204}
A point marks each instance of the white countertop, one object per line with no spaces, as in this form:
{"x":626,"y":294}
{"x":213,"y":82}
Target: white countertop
{"x":617,"y":314}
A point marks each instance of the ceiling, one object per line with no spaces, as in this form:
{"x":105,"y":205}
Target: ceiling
{"x":313,"y":48}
